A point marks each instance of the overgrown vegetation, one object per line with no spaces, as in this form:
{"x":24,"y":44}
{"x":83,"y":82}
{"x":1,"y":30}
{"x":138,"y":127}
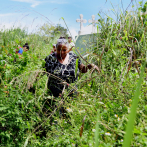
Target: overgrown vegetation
{"x":99,"y":114}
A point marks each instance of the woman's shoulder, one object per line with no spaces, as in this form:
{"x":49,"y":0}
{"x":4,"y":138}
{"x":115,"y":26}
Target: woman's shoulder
{"x":71,"y":54}
{"x":74,"y":57}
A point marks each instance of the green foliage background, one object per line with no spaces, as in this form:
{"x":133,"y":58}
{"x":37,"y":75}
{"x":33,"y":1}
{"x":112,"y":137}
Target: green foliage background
{"x":104,"y":99}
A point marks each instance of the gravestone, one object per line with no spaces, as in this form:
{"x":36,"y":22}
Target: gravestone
{"x":86,"y":42}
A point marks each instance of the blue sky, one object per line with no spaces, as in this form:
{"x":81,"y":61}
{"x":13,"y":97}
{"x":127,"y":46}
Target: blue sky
{"x":34,"y":13}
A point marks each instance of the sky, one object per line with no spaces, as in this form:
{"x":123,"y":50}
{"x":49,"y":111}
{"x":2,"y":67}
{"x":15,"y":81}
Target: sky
{"x":32,"y":14}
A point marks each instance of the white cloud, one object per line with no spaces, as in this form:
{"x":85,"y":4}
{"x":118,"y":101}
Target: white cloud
{"x":8,"y":26}
{"x":33,"y":28}
{"x":7,"y":14}
{"x":33,"y":3}
{"x":14,"y":20}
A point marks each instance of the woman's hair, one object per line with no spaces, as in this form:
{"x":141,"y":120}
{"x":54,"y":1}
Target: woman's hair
{"x":26,"y":45}
{"x":62,"y":42}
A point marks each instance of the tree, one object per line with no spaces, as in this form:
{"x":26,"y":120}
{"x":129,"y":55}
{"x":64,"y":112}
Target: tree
{"x":52,"y":31}
{"x":60,"y":30}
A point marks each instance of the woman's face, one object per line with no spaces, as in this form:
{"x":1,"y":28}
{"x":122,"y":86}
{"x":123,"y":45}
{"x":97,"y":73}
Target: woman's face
{"x":69,"y":39}
{"x":62,"y":51}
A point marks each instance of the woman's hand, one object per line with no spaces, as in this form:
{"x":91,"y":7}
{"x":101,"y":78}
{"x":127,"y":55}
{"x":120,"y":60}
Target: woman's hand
{"x":84,"y":69}
{"x":95,"y":67}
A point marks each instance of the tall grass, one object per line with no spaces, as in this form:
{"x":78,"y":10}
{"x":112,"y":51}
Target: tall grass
{"x":133,"y":111}
{"x":97,"y":130}
{"x":105,"y":98}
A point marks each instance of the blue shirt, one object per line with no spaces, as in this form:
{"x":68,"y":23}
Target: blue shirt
{"x":20,"y":51}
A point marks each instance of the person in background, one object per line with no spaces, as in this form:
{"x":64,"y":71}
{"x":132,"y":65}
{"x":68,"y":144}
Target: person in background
{"x":24,"y":49}
{"x":54,"y":49}
{"x":71,"y":44}
{"x":62,"y":37}
{"x":18,"y":49}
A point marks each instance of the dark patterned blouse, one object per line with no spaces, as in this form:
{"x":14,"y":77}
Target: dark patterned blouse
{"x":67,"y":72}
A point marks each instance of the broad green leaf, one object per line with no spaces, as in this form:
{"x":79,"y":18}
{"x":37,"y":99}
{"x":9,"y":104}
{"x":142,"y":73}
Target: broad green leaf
{"x":132,"y":115}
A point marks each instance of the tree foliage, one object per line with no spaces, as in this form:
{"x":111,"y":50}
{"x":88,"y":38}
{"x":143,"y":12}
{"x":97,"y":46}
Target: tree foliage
{"x":48,"y":31}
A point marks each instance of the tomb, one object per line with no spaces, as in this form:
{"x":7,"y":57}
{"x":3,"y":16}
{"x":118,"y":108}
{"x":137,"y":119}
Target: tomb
{"x":85,"y":42}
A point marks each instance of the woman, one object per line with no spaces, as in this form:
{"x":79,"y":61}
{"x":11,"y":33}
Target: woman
{"x":62,"y":64}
